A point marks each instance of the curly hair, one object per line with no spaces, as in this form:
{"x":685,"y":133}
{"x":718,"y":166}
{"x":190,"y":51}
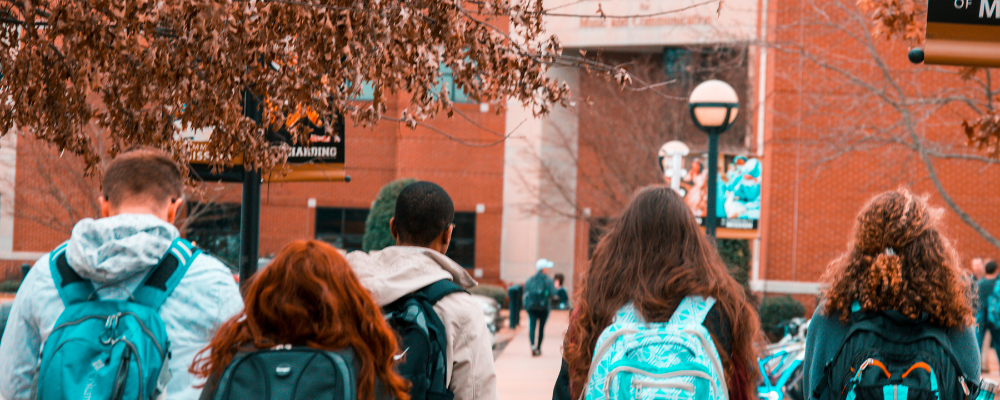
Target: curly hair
{"x":654,"y":256}
{"x":309,"y":296}
{"x":898,"y":260}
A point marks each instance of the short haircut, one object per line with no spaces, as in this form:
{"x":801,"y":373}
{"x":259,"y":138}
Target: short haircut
{"x":142,"y":174}
{"x":991,"y":267}
{"x":423,"y":211}
{"x":558,"y":278}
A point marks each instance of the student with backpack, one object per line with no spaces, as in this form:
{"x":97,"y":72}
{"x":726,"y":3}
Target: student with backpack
{"x":311,"y":328}
{"x":988,"y":319}
{"x":658,"y":315}
{"x":120,"y":309}
{"x":445,"y":347}
{"x":538,"y":292}
{"x":897,"y":317}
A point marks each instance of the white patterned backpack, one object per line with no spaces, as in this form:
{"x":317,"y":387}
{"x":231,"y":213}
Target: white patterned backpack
{"x":676,"y":360}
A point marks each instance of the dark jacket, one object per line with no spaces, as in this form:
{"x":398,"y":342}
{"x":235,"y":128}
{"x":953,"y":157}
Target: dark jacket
{"x":826,"y":334}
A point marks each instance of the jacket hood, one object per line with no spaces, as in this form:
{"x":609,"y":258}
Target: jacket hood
{"x":396,"y":271}
{"x":116,"y":248}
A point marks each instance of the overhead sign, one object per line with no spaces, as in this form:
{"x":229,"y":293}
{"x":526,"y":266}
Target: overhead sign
{"x":321,"y":159}
{"x":963,"y":32}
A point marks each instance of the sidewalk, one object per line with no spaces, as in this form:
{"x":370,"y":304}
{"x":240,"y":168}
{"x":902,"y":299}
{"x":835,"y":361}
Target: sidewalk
{"x":523,"y":377}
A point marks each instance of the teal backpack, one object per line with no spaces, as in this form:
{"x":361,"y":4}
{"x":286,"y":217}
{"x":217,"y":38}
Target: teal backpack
{"x":676,"y":360}
{"x":107,"y":349}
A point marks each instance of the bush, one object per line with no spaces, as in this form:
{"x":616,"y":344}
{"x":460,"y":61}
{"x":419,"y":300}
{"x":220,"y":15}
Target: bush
{"x":377,"y":234}
{"x":495,"y":292}
{"x":10,"y":285}
{"x":736,"y":254}
{"x":775,"y":310}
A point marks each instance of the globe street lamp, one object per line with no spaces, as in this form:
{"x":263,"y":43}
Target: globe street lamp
{"x":713,"y":105}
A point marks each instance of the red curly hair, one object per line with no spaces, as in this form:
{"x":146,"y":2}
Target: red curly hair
{"x":309,"y":296}
{"x":898,"y":260}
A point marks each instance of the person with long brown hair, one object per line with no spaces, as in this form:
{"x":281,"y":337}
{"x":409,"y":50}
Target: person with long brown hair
{"x":309,"y":296}
{"x":898,"y":268}
{"x":653,"y":257}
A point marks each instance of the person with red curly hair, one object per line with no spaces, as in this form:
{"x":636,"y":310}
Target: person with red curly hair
{"x":309,"y":296}
{"x":900,"y":271}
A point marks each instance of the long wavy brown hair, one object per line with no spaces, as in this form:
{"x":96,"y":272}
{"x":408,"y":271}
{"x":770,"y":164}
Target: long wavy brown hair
{"x":898,"y":260}
{"x":654,"y":256}
{"x":309,"y":296}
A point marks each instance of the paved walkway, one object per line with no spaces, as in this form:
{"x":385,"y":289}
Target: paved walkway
{"x":523,"y":377}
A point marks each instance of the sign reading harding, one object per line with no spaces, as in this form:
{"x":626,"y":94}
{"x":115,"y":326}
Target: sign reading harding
{"x":322,"y":159}
{"x":963,"y":32}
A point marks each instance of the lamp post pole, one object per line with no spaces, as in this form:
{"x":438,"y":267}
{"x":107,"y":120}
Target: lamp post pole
{"x":713,"y":184}
{"x":714,"y":105}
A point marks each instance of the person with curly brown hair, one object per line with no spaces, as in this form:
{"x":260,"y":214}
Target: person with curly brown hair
{"x":897,"y":296}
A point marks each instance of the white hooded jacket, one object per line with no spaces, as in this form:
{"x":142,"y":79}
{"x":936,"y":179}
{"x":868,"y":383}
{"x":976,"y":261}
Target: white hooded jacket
{"x":115,"y":254}
{"x":396,"y":271}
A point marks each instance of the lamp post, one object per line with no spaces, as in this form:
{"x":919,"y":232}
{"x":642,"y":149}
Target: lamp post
{"x":714,"y":105}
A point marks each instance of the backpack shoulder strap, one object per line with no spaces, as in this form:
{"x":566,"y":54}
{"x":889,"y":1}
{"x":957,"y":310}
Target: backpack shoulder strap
{"x":437,"y":290}
{"x":163,"y":279}
{"x":692,"y":310}
{"x":72,"y":288}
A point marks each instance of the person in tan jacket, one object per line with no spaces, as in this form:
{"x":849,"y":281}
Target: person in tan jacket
{"x":422,"y":227}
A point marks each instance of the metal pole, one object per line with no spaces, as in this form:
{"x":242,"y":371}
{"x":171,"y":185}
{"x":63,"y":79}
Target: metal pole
{"x":249,"y":225}
{"x":713,"y":183}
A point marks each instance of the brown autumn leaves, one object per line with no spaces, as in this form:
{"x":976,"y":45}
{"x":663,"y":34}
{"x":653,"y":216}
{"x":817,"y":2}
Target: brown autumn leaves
{"x":132,"y":68}
{"x":905,"y":20}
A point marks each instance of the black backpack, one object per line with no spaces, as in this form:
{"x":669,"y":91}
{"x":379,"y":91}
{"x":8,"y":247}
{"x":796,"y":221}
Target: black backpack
{"x":888,"y":356}
{"x":287,"y":372}
{"x":536,"y":294}
{"x":422,"y":340}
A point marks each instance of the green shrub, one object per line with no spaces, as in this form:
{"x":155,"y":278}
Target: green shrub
{"x":495,"y":292}
{"x":10,"y":285}
{"x":774,"y":310}
{"x":377,"y":234}
{"x":736,"y":254}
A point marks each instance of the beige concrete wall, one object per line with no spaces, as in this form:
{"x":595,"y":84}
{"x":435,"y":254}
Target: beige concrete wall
{"x":539,"y":189}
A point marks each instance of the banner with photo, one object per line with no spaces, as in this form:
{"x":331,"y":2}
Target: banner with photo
{"x":739,"y":185}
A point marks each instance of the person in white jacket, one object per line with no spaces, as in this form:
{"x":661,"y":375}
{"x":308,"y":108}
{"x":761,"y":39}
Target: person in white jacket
{"x":422,"y":227}
{"x":142,"y":191}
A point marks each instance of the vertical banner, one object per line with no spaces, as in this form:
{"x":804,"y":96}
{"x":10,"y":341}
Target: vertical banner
{"x":739,"y":188}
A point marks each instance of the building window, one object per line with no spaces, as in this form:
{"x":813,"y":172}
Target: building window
{"x":463,"y":240}
{"x":215,"y":228}
{"x":446,"y":80}
{"x":343,"y":228}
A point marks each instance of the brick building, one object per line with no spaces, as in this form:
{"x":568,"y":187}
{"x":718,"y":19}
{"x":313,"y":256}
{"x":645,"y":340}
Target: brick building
{"x":45,"y":192}
{"x":834,"y":114}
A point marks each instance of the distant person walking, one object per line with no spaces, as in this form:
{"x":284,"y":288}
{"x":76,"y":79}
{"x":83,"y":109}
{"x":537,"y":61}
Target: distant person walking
{"x":309,"y":300}
{"x":658,"y":298}
{"x":989,"y":302}
{"x":897,"y":317}
{"x":415,"y":272}
{"x":154,"y":288}
{"x":538,"y":292}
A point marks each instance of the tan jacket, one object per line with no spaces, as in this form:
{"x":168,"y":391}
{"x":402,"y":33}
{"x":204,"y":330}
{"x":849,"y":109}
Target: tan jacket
{"x":397,"y":271}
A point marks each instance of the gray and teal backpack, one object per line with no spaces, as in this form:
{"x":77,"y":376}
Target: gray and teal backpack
{"x":110,"y":349}
{"x":675,"y":360}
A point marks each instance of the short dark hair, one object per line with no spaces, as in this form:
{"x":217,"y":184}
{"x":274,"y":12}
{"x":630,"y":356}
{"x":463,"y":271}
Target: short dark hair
{"x":991,"y":267}
{"x":423,"y":211}
{"x":144,"y":174}
{"x":559,"y":278}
